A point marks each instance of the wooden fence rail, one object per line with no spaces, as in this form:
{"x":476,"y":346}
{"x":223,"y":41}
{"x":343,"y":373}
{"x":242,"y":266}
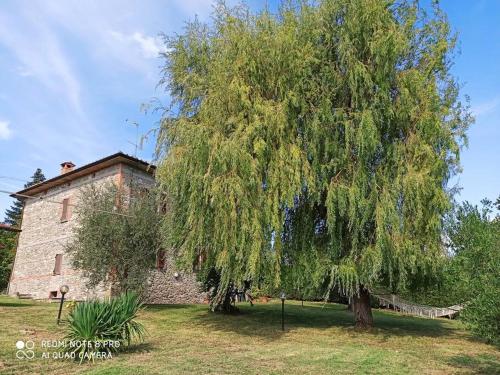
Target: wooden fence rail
{"x":406,"y":307}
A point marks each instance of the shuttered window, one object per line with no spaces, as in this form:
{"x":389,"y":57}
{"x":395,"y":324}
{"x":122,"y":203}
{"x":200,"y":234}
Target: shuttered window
{"x":160,"y":260}
{"x":65,"y":210}
{"x":57,"y":266}
{"x":198,"y":263}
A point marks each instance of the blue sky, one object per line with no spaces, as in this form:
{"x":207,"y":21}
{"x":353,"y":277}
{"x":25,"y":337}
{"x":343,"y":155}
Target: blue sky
{"x":73,"y":76}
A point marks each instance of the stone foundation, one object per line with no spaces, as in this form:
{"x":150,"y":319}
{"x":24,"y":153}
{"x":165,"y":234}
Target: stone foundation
{"x":165,"y":287}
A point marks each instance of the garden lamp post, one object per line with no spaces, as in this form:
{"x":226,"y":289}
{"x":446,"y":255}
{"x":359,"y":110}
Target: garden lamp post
{"x":282,"y":297}
{"x":63,"y":289}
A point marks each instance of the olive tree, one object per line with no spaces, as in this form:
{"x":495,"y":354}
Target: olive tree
{"x":116,"y":238}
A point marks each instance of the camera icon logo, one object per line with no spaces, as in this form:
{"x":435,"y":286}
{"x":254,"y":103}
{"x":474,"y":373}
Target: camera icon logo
{"x":25,"y":349}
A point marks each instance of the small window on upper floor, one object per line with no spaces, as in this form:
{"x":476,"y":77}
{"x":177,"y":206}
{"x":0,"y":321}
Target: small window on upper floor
{"x":160,"y":260}
{"x":58,"y":264}
{"x":65,"y":215}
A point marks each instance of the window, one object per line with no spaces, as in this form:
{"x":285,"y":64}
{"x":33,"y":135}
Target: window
{"x":198,"y":263}
{"x":160,"y":260}
{"x":57,"y":266}
{"x":65,"y":215}
{"x":53,"y":294}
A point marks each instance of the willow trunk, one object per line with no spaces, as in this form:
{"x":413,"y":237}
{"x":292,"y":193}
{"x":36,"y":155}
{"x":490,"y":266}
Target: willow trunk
{"x":362,"y":309}
{"x":226,"y":306}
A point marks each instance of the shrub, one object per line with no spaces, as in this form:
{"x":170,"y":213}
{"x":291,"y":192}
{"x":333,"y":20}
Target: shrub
{"x":482,"y":315}
{"x":94,"y":325}
{"x":475,"y":235}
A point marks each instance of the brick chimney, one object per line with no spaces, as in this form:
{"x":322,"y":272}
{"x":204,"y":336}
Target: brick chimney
{"x":66,"y":167}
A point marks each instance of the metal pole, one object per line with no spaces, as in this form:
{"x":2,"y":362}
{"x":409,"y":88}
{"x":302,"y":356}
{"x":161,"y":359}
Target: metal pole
{"x":60,"y":308}
{"x":282,"y":314}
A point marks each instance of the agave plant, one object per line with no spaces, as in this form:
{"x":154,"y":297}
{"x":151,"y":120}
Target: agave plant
{"x":102,"y":327}
{"x":125,"y":309}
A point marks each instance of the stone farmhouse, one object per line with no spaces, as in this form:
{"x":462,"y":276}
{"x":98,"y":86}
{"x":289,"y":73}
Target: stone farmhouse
{"x":41,"y":266}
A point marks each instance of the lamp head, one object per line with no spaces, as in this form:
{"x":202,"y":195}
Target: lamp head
{"x":282,"y":296}
{"x":64,"y":289}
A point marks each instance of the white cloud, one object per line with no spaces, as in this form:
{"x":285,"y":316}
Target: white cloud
{"x":148,"y":46}
{"x":113,"y":34}
{"x":116,"y":38}
{"x":486,"y":107}
{"x":5,"y":132}
{"x":23,"y":71}
{"x":39,"y":51}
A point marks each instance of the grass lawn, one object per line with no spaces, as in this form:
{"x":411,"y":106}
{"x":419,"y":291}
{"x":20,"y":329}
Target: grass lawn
{"x":317,"y":340}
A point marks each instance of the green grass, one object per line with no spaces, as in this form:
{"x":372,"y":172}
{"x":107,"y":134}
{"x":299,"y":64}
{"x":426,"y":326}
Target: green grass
{"x":317,"y":340}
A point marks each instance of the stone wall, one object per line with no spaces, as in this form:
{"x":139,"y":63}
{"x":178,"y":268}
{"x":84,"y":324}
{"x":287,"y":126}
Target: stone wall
{"x":170,"y":285}
{"x":43,"y":236}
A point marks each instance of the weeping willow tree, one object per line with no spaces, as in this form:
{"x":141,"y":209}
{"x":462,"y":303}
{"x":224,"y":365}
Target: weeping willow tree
{"x":312,"y":147}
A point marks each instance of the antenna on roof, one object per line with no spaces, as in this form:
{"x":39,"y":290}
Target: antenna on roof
{"x":136,"y":143}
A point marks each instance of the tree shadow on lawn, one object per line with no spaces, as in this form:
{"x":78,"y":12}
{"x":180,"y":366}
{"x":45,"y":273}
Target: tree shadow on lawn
{"x":159,"y":307}
{"x":481,"y":364}
{"x":16,"y":304}
{"x":135,"y":348}
{"x":264,"y":320}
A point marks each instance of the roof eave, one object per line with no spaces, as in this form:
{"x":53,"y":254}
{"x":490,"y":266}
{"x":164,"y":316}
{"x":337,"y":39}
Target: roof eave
{"x":108,"y":161}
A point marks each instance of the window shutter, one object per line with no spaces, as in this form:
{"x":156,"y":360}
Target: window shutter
{"x":65,"y":210}
{"x":198,"y":263}
{"x":57,"y":267}
{"x":160,"y":260}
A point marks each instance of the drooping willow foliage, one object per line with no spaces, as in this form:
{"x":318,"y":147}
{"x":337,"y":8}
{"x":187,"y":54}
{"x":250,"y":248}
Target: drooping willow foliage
{"x":311,"y":147}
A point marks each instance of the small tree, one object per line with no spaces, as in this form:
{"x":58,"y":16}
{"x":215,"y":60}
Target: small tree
{"x":13,"y":214}
{"x":13,"y":217}
{"x":7,"y":253}
{"x":116,"y":238}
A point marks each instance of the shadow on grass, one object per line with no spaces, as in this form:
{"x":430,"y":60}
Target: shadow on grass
{"x":167,"y":307}
{"x":264,"y":320}
{"x":481,"y":364}
{"x":15,"y":304}
{"x":143,"y":347}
